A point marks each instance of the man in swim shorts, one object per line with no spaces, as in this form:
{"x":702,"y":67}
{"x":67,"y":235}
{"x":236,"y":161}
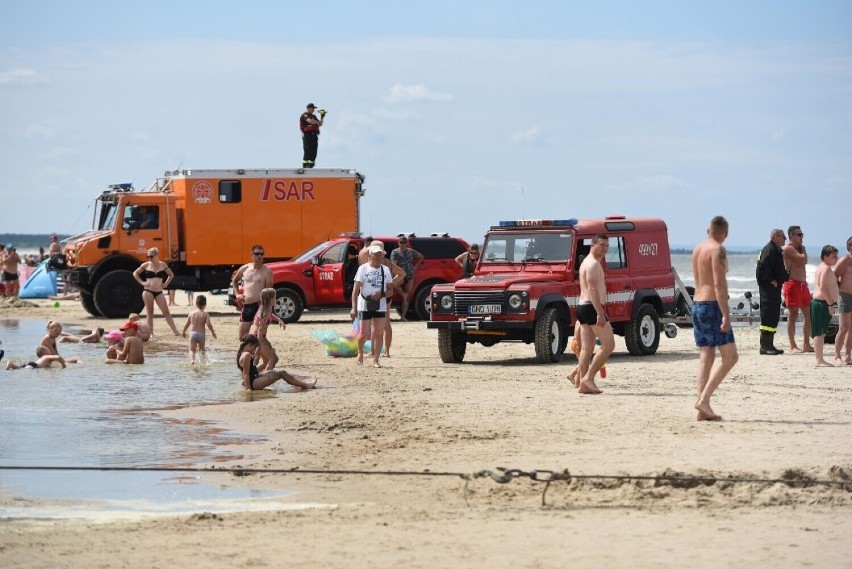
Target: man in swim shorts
{"x":592,"y":316}
{"x":256,"y":276}
{"x":711,"y":316}
{"x":796,"y":294}
{"x":843,"y":340}
{"x":10,"y":262}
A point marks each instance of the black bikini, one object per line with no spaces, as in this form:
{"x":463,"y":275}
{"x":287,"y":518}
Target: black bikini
{"x":253,"y":373}
{"x":152,"y":275}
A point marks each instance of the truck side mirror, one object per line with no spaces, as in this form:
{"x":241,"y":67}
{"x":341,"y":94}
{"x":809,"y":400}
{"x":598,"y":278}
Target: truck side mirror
{"x":315,"y":261}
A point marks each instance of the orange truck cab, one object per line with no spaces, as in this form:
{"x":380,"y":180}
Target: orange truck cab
{"x":526,"y":286}
{"x":204,"y":223}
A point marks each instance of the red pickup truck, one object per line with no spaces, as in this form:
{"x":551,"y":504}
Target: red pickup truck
{"x":323,"y":276}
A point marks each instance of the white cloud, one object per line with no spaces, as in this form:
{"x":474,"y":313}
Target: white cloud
{"x":20,"y":76}
{"x":528,"y":135}
{"x":400,"y":92}
{"x":779,"y":134}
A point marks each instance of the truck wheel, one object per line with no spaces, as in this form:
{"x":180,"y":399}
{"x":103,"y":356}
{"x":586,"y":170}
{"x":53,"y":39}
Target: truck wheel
{"x":451,"y":346}
{"x":423,"y":302}
{"x":118,"y":294}
{"x":288,"y":305}
{"x":87,"y":299}
{"x":642,"y":335}
{"x":550,"y":337}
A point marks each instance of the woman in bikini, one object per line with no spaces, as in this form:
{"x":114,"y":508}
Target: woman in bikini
{"x":264,"y":317}
{"x":252,"y":379}
{"x":154,"y":275}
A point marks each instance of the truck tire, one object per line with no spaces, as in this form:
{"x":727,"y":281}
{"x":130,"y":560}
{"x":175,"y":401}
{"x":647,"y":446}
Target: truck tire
{"x":288,"y":305}
{"x":451,"y":346}
{"x":550,"y":337}
{"x":117,"y":294}
{"x":642,"y":335}
{"x":423,"y":302}
{"x":87,"y":299}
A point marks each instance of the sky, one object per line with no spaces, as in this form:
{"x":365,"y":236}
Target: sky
{"x":460,"y":114}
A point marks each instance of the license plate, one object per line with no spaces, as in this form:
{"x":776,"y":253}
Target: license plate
{"x":486,"y":309}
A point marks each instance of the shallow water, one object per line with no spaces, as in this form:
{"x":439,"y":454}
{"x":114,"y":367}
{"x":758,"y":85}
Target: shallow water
{"x":98,"y":415}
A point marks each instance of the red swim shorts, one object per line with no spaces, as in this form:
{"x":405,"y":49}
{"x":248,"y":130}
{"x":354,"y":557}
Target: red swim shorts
{"x":796,"y":294}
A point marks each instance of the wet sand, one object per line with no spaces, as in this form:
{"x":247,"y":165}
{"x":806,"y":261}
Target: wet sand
{"x":783,"y":418}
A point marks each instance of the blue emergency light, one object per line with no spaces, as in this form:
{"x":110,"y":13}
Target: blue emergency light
{"x":540,"y":222}
{"x":122,"y":187}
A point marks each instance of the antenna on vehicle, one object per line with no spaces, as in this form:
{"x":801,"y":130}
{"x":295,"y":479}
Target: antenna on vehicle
{"x":523,"y":205}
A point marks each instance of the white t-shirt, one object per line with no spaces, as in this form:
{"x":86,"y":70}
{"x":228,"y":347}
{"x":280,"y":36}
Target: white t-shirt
{"x":371,"y":282}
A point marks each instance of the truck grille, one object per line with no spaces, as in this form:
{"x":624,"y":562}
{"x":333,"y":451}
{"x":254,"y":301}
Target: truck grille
{"x":465,"y":299}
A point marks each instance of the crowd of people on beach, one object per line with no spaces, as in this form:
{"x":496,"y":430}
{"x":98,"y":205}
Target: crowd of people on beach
{"x":780,"y":273}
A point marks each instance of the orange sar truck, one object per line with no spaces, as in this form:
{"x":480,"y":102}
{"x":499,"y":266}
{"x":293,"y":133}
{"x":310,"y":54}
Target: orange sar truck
{"x":204,"y":223}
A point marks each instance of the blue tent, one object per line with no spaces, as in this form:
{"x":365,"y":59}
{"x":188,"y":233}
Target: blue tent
{"x":41,"y":284}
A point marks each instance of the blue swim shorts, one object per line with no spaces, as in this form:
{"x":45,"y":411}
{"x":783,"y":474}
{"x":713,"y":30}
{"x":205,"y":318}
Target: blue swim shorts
{"x":707,"y":325}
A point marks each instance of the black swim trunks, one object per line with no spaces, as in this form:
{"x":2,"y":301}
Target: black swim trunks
{"x":586,"y":313}
{"x":8,"y":277}
{"x":249,"y":311}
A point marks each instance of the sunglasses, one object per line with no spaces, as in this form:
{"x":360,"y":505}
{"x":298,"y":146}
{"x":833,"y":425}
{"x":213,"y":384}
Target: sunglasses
{"x":798,"y":234}
{"x":257,"y":254}
{"x":151,"y":256}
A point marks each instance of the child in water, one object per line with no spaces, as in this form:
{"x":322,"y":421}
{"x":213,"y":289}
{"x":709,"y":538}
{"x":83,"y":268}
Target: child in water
{"x":195,"y":323}
{"x":252,"y":378}
{"x":54,"y":331}
{"x":265,"y":315}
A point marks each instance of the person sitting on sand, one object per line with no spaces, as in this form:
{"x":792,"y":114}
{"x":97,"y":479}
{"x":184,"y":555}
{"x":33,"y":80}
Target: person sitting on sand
{"x":44,"y":361}
{"x":93,"y":338}
{"x":254,"y":380}
{"x":132,"y":352}
{"x":54,"y":331}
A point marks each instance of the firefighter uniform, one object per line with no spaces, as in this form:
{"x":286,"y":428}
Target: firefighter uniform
{"x":310,"y":136}
{"x":770,"y":267}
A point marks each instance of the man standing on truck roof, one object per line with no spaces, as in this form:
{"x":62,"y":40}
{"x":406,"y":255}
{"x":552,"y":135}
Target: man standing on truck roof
{"x":256,"y":276}
{"x":771,"y":276}
{"x":592,"y":316}
{"x":310,"y":125}
{"x":712,"y":316}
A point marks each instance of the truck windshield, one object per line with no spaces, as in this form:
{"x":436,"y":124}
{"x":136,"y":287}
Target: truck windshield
{"x":106,"y":219}
{"x":312,"y":252}
{"x":534,"y":247}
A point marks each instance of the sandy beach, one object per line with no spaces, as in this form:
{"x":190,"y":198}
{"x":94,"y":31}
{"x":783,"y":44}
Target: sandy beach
{"x":396,"y":438}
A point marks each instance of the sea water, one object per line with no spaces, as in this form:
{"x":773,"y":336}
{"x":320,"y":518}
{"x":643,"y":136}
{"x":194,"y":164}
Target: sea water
{"x":96,"y":415}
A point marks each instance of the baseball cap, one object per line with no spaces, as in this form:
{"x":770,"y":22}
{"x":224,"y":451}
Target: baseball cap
{"x":129,"y":325}
{"x":376,"y":249}
{"x":114,"y":335}
{"x":311,"y":106}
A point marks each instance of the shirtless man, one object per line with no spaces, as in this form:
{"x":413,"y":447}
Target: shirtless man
{"x":364,"y":253}
{"x":592,"y":316}
{"x":843,"y":340}
{"x":796,"y":293}
{"x":824,"y":301}
{"x":712,"y":316}
{"x":10,"y":262}
{"x":256,"y":276}
{"x":133,"y":351}
{"x":45,"y":360}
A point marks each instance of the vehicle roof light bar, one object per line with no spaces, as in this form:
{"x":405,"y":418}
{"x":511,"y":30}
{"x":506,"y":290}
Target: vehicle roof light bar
{"x":121,"y":187}
{"x":539,"y":223}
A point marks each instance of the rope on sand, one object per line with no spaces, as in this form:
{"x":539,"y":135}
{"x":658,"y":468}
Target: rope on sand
{"x":501,"y":475}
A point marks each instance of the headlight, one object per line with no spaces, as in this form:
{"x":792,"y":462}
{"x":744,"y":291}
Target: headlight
{"x":515,"y":301}
{"x":447,"y":301}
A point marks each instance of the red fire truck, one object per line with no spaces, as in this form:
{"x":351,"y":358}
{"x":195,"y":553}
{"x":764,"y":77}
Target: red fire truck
{"x":526,"y":289}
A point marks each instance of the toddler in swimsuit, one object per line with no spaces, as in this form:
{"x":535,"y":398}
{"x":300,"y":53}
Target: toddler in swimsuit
{"x":195,"y":323}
